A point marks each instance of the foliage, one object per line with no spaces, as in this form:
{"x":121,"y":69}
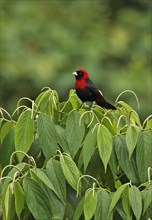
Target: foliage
{"x":42,"y":43}
{"x":61,"y":161}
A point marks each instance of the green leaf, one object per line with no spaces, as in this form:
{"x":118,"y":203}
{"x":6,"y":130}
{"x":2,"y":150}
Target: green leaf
{"x":89,"y":146}
{"x":65,"y":109}
{"x":42,"y":100}
{"x":108,"y":125}
{"x":131,"y":138}
{"x":57,"y":203}
{"x":135,"y":201}
{"x":57,"y":206}
{"x":35,"y":150}
{"x":19,"y":198}
{"x":52,"y":105}
{"x":70,"y":170}
{"x":56,"y":176}
{"x":37,"y":200}
{"x":104,"y":142}
{"x":133,"y":116}
{"x":90,"y":203}
{"x":99,"y":113}
{"x":113,"y":163}
{"x":128,"y":166}
{"x":103,"y":203}
{"x":24,"y":133}
{"x":144,"y":154}
{"x":23,"y":167}
{"x":43,"y":177}
{"x":147,"y":198}
{"x":116,"y":196}
{"x":62,"y":139}
{"x":79,"y":210}
{"x":8,"y":203}
{"x":75,"y":132}
{"x":75,"y":102}
{"x":5,"y":130}
{"x":127,"y":107}
{"x":119,"y":210}
{"x":148,"y":124}
{"x":7,"y":147}
{"x":47,"y":135}
{"x":126,"y":203}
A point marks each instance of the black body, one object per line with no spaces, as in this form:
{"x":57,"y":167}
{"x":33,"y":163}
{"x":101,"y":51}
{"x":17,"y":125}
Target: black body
{"x":90,"y":93}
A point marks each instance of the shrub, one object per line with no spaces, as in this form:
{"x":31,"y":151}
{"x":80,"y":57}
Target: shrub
{"x":59,"y":161}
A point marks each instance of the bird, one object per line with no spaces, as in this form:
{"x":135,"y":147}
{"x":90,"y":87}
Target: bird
{"x":87,"y":92}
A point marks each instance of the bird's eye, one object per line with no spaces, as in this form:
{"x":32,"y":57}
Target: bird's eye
{"x":80,"y":73}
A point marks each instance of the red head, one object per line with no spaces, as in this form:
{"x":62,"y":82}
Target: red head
{"x":81,"y":75}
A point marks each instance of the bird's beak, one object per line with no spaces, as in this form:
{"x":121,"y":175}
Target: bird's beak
{"x":75,"y":73}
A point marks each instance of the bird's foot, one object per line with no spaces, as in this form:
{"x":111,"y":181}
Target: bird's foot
{"x":85,"y":106}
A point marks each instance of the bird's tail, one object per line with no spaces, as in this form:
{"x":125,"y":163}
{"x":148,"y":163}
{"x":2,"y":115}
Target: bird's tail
{"x":102,"y":102}
{"x":109,"y":106}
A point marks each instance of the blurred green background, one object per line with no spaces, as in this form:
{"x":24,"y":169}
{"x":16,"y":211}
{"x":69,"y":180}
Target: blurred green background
{"x":43,"y":42}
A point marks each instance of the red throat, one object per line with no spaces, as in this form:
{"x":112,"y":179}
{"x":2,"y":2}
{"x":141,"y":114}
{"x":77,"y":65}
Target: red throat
{"x":80,"y":84}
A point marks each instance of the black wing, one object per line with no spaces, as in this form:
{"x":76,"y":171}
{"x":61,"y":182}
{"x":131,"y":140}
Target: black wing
{"x":94,"y":90}
{"x":98,"y":97}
